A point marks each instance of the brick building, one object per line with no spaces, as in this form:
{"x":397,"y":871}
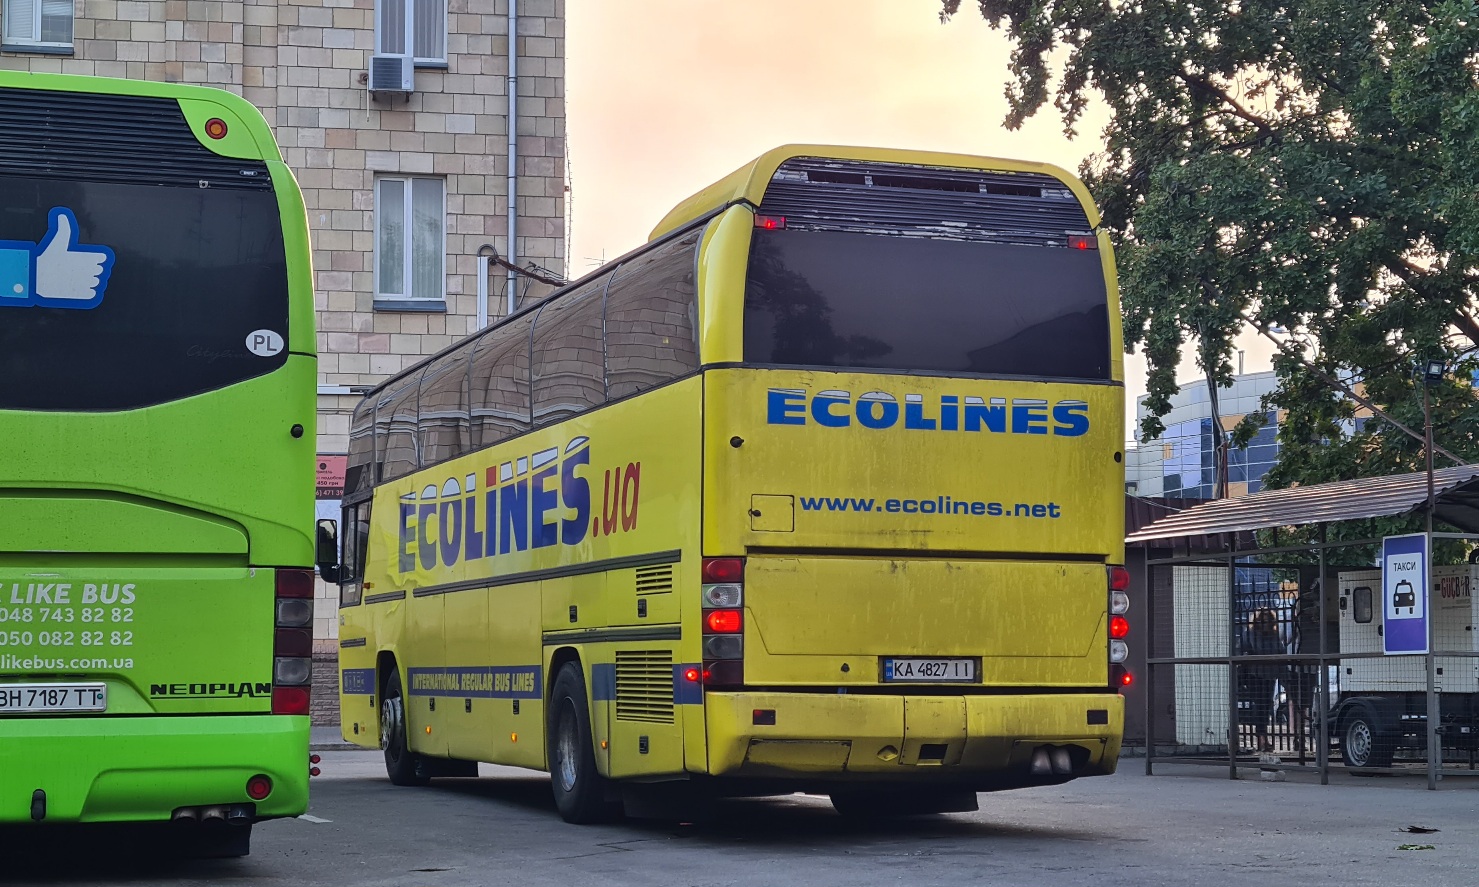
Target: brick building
{"x":403,"y":185}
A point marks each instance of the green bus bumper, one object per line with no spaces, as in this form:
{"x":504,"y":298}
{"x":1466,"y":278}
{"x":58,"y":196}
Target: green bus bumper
{"x":127,"y":769}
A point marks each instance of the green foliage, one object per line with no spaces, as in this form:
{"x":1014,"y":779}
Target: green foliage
{"x":1313,"y":166}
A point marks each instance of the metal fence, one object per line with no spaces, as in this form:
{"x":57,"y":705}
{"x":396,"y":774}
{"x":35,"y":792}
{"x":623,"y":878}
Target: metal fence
{"x":1273,"y":660}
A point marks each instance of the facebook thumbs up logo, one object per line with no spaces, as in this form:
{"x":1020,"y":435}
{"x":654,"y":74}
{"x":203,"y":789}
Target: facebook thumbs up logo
{"x":58,"y":272}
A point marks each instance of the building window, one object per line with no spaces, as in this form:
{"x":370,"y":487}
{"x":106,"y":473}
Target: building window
{"x":36,"y":24}
{"x":424,"y":20}
{"x":410,"y":245}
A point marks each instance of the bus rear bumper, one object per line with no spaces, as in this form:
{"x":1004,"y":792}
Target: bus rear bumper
{"x":982,"y":741}
{"x":141,"y":769}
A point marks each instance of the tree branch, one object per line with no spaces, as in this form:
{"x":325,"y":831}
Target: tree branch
{"x":1237,"y":110}
{"x":1415,"y":277}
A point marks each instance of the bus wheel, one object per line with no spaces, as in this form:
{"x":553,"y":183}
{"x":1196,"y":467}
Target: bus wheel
{"x":580,"y":791}
{"x":890,"y":803}
{"x":400,"y":761}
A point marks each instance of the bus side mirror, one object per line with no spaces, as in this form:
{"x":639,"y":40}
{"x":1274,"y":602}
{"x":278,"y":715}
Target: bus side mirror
{"x":326,"y":554}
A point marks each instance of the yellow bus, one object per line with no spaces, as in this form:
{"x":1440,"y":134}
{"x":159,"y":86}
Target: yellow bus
{"x":819,"y":490}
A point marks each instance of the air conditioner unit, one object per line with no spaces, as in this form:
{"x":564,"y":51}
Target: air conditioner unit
{"x":392,"y":73}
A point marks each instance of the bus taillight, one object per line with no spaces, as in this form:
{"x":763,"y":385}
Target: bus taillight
{"x":723,"y":622}
{"x":1119,"y":627}
{"x":724,"y":569}
{"x":292,"y":643}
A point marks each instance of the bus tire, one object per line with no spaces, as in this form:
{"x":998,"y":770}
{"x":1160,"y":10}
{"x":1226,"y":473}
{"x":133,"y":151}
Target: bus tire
{"x":892,"y":803}
{"x":400,"y":761}
{"x":580,"y":791}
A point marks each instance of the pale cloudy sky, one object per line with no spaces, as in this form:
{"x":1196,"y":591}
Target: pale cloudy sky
{"x":667,"y":96}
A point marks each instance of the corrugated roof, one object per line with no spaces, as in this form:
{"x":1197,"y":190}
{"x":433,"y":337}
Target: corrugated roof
{"x":1456,"y":490}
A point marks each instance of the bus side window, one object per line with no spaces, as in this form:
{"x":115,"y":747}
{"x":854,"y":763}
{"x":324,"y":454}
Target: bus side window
{"x":500,"y":383}
{"x":354,"y":540}
{"x":650,"y":311}
{"x":568,"y":372}
{"x":358,"y":477}
{"x":395,"y":431}
{"x":443,"y":425}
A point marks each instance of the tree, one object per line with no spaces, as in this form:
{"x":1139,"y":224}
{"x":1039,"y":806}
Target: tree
{"x":1312,"y":166}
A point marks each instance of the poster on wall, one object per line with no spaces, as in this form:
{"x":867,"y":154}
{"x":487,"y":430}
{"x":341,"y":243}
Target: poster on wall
{"x":329,"y":486}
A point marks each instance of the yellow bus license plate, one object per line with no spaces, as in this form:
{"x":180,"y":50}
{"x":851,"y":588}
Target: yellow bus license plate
{"x":929,"y":671}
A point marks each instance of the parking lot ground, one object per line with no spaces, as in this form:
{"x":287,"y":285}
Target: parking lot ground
{"x":1187,"y":825}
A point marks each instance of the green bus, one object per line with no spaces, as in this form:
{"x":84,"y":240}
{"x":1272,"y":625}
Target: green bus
{"x":157,"y":397}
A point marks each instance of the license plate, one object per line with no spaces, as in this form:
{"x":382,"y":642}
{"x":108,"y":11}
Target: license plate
{"x":929,"y":671}
{"x":52,"y":698}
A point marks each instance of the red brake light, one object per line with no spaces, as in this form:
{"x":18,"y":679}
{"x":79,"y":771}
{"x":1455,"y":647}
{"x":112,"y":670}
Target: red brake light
{"x":691,"y":675}
{"x":770,"y":223}
{"x":294,"y":583}
{"x":723,"y":569}
{"x":1126,"y":679}
{"x":1119,"y":578}
{"x":290,"y":700}
{"x":258,"y":787}
{"x":1119,"y":626}
{"x":1082,"y":241}
{"x":723,"y":621}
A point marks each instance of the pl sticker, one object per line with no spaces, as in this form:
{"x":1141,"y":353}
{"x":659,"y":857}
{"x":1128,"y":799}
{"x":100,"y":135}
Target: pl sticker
{"x":264,"y":343}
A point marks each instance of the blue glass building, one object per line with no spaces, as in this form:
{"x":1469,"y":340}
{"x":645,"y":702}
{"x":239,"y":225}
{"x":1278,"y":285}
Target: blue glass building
{"x":1181,"y":463}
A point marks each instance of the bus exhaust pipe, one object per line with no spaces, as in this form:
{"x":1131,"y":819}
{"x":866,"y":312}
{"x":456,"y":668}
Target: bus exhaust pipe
{"x":1051,"y":760}
{"x":1042,"y":764}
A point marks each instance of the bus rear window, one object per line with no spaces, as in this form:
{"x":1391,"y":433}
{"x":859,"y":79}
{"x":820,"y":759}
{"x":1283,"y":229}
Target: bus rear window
{"x":193,"y":296}
{"x":868,"y":301}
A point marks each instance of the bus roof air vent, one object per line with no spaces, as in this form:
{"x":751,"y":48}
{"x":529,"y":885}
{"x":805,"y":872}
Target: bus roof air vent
{"x":923,"y":201}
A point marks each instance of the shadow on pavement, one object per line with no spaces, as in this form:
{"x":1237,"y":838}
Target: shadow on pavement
{"x":778,"y":820}
{"x":112,"y":854}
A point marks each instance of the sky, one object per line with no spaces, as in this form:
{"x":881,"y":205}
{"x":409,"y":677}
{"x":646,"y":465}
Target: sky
{"x":665,"y":97}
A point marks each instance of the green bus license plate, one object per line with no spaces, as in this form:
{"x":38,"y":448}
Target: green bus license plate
{"x":927,"y":671}
{"x":52,"y":698}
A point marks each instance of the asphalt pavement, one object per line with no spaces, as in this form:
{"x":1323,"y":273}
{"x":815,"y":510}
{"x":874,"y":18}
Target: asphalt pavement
{"x":1189,"y":825}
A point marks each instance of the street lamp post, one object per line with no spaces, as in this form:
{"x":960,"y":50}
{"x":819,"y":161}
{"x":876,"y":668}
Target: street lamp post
{"x":1432,"y":375}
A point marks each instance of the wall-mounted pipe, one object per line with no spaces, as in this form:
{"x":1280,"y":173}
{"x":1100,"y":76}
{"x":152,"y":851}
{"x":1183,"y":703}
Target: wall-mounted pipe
{"x":512,"y":255}
{"x":486,"y":254}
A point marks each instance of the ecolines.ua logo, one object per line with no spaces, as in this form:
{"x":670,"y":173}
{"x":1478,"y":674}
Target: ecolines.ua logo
{"x":946,"y":412}
{"x":526,"y":502}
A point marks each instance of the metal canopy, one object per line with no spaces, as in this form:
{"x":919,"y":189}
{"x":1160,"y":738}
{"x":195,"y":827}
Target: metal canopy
{"x":1455,"y":489}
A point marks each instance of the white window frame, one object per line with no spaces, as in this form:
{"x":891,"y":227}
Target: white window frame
{"x":409,"y":29}
{"x":408,"y":266}
{"x":9,"y":14}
